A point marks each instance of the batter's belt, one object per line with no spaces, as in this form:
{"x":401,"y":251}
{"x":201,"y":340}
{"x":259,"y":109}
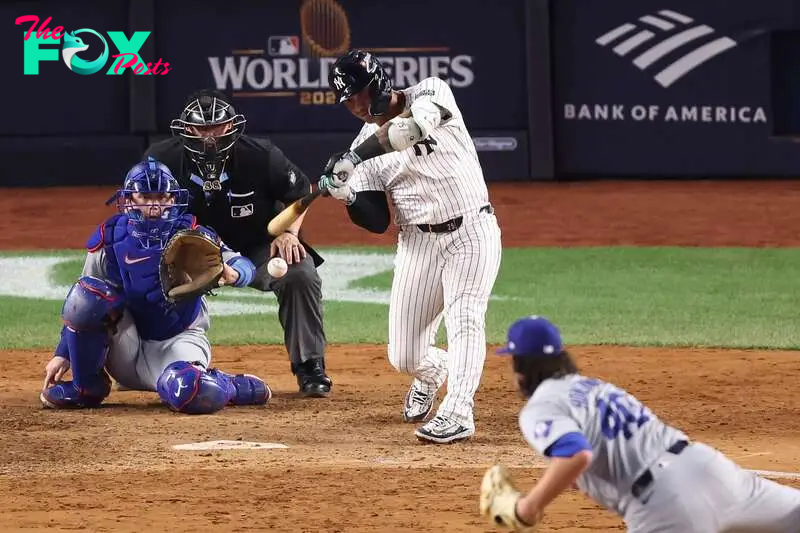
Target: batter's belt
{"x":644,"y":481}
{"x":452,"y":224}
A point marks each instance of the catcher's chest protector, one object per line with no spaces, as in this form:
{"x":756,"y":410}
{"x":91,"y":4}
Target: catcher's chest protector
{"x":136,"y":269}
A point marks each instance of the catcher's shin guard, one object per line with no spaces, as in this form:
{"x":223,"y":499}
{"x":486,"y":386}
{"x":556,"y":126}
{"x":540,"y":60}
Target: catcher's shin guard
{"x":89,"y":311}
{"x":243,"y":389}
{"x":67,"y":395}
{"x":189,"y":389}
{"x":87,"y":355}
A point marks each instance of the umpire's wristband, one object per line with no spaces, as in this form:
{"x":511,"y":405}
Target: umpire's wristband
{"x":245,"y":268}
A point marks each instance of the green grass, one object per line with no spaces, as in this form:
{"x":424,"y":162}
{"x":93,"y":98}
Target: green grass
{"x":734,"y":297}
{"x":727,"y":297}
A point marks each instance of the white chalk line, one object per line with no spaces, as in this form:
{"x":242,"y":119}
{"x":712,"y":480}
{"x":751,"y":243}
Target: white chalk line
{"x":745,"y":456}
{"x":776,"y":475}
{"x":767,"y":473}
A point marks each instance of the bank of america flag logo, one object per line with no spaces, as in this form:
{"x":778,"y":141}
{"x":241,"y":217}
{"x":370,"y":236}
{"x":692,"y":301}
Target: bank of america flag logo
{"x":659,"y":31}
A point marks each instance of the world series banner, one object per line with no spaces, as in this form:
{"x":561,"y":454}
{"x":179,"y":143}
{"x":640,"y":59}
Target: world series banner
{"x":274,"y":57}
{"x":683,"y":88}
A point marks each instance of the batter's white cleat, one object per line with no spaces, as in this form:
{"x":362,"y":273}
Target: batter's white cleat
{"x":418,"y":403}
{"x":441,"y":430}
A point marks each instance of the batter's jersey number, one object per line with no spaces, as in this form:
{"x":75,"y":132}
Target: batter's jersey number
{"x":429,"y":143}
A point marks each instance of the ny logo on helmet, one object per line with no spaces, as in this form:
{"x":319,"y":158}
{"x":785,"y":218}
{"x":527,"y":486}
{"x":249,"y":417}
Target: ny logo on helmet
{"x":338,"y":81}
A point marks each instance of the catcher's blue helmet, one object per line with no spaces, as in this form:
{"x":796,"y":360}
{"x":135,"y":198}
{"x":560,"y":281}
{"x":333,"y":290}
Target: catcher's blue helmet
{"x":153,"y":201}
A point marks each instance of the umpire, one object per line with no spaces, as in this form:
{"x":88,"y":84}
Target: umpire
{"x":236,"y":185}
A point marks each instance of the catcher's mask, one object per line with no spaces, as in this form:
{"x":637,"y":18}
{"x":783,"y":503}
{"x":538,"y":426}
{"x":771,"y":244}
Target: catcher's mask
{"x":209,"y":127}
{"x":538,"y":353}
{"x":153,"y":201}
{"x":354,"y":71}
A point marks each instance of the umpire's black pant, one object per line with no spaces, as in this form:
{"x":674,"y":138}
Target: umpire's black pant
{"x":299,"y":294}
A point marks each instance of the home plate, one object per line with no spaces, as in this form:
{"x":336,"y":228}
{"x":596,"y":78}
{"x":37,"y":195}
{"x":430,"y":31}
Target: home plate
{"x":230,"y":445}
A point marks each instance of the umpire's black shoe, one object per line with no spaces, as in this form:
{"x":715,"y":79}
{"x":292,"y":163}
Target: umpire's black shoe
{"x":312,"y":380}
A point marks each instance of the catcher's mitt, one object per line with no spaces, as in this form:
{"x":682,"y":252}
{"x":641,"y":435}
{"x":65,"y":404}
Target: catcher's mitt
{"x":191,"y":265}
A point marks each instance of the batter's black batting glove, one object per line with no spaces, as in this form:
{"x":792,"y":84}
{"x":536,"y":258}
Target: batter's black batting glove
{"x":342,"y":165}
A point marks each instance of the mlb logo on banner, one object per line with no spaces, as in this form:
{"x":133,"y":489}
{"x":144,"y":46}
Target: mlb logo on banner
{"x":284,"y":45}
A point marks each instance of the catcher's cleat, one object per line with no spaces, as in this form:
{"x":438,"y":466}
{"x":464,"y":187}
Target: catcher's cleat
{"x":441,"y":430}
{"x":312,"y":380}
{"x":65,"y":395}
{"x":418,"y":403}
{"x":245,"y":389}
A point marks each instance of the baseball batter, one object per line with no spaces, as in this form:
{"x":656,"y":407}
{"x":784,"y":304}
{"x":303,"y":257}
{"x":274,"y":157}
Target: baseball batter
{"x":621,"y":455}
{"x":415,"y":148}
{"x":117,"y":320}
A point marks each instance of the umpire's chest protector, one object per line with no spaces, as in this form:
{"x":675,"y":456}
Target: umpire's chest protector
{"x":136,"y":269}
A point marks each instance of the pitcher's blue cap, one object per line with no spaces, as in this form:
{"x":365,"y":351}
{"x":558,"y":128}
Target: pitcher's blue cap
{"x":533,"y":336}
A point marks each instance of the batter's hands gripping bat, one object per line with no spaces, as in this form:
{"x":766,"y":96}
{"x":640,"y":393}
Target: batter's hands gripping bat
{"x":281,"y":222}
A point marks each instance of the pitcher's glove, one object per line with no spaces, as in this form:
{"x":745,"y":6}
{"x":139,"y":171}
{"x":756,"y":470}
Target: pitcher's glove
{"x":499,"y":501}
{"x":191,"y":265}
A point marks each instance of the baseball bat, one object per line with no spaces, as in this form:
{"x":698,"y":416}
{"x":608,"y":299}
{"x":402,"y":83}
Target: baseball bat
{"x":292,"y":212}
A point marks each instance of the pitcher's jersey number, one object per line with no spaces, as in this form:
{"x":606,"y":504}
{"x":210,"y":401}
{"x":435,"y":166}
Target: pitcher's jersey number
{"x":621,"y":413}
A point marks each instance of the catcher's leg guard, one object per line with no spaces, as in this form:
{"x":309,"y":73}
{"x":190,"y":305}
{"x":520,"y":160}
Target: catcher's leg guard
{"x":67,"y":395}
{"x":89,"y":309}
{"x":188,"y":388}
{"x":244,"y":389}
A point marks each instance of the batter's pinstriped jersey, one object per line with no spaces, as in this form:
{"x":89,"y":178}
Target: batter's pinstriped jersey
{"x":625,"y":436}
{"x":435,"y":180}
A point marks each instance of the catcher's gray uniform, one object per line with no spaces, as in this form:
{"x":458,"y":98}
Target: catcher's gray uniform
{"x":136,"y":363}
{"x":691,"y":489}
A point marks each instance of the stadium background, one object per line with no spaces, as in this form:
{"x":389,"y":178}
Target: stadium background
{"x":647,"y":200}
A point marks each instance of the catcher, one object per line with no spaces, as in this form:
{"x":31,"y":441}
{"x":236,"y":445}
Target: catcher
{"x":614,"y":449}
{"x":138,"y":311}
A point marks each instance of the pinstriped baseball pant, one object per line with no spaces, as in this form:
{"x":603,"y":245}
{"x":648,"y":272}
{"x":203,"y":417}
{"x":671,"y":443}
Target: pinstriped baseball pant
{"x":446,"y":276}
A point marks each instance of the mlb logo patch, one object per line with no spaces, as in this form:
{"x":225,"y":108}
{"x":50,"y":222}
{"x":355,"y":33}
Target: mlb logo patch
{"x":283,"y":45}
{"x":241,"y":211}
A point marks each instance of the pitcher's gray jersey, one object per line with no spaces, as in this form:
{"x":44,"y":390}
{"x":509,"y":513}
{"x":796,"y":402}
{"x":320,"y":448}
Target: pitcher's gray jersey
{"x":698,"y":490}
{"x":624,"y":435}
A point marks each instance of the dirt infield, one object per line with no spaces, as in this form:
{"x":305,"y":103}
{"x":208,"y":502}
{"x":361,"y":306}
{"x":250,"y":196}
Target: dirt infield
{"x":352,"y":465}
{"x":700,"y":213}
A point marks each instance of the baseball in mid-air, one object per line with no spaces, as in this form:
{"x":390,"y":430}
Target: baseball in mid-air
{"x":277,"y":267}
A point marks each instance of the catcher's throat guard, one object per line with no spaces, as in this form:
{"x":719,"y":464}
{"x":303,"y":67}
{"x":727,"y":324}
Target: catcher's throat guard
{"x":191,"y":265}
